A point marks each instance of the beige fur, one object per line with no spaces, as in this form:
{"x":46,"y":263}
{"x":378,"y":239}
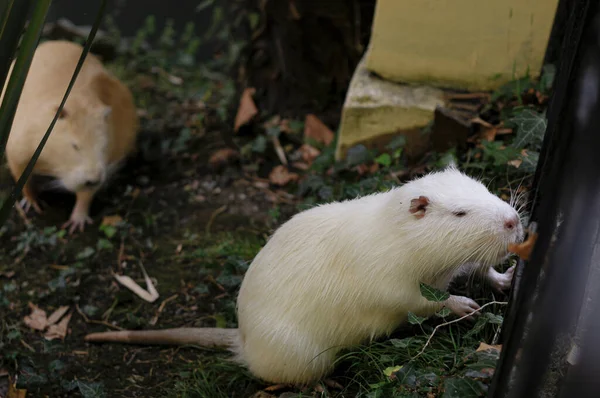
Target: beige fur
{"x":345,"y":272}
{"x":95,"y":133}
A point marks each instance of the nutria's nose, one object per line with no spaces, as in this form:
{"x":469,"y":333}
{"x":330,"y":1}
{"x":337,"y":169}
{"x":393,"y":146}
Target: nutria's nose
{"x":92,"y":183}
{"x":511,"y":223}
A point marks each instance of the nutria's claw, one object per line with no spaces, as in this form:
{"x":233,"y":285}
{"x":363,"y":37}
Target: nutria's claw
{"x":26,"y":204}
{"x":77,"y":222}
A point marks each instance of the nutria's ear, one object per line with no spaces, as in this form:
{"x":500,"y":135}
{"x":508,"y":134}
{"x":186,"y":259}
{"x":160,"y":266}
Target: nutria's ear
{"x":63,"y":112}
{"x":418,"y":206}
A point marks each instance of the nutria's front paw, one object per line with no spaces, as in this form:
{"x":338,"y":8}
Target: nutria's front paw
{"x":27,"y":203}
{"x":501,"y":282}
{"x":462,"y":306}
{"x":77,"y":221}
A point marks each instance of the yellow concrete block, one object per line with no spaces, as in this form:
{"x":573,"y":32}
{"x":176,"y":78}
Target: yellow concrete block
{"x":375,"y":110}
{"x":468,"y":44}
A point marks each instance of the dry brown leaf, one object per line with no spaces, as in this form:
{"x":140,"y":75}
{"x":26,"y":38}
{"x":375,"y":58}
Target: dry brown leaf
{"x":56,"y":315}
{"x":317,"y":130}
{"x":7,"y":274}
{"x":223,"y":156}
{"x":111,"y":220}
{"x":309,"y":153}
{"x":281,"y":176}
{"x":3,"y":372}
{"x":59,"y":331}
{"x":301,"y":166}
{"x":478,"y":120}
{"x":504,"y":131}
{"x":13,"y":391}
{"x":175,"y":80}
{"x":486,"y":347}
{"x":516,"y":162}
{"x":246,"y":110}
{"x":149,"y":295}
{"x":37,"y":319}
{"x":294,"y":11}
{"x":489,"y":134}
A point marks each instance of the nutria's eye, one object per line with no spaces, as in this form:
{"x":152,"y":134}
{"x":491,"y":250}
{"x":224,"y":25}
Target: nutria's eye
{"x":460,"y":213}
{"x":63,"y":113}
{"x":75,"y":147}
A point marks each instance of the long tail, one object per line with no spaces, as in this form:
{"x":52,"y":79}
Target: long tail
{"x":207,"y":337}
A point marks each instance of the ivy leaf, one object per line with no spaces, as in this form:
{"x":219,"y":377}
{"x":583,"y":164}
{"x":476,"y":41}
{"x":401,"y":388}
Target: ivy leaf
{"x":493,"y":318}
{"x":444,"y":312}
{"x":531,"y":127}
{"x":384,"y":159}
{"x":85,"y":253}
{"x":402,"y":343}
{"x":433,"y":294}
{"x":463,"y":388}
{"x":415,"y":319}
{"x":397,"y":142}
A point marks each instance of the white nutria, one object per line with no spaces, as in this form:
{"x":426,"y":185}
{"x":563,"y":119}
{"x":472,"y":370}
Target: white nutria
{"x":343,"y":273}
{"x":96,"y":130}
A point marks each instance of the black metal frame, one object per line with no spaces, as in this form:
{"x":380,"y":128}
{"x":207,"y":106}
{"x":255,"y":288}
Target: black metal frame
{"x":550,"y":291}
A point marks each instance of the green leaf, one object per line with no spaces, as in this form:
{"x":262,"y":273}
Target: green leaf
{"x":221,"y":321}
{"x":384,"y":159}
{"x":104,"y":244}
{"x":253,"y":20}
{"x":402,"y":343}
{"x":85,"y":253}
{"x":444,"y":312}
{"x":463,"y":388}
{"x":547,"y":78}
{"x":433,"y":294}
{"x":56,"y":365}
{"x":260,"y":144}
{"x":13,"y":334}
{"x":389,"y":370}
{"x":396,"y":142}
{"x":90,"y":310}
{"x":493,"y":318}
{"x":415,"y":319}
{"x":500,"y":156}
{"x":531,"y":127}
{"x":204,"y":4}
{"x":296,"y":126}
{"x":529,"y":162}
{"x":357,"y":155}
{"x":108,"y":230}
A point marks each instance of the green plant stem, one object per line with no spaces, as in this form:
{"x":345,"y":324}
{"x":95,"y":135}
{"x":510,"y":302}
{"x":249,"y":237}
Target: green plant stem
{"x":12,"y":21}
{"x":11,"y":31}
{"x":16,"y":192}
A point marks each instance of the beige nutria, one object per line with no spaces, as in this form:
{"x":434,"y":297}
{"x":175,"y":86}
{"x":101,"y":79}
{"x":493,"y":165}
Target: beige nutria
{"x":95,"y":132}
{"x":343,"y":273}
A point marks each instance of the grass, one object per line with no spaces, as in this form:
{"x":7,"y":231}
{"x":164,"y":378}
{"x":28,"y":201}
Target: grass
{"x":169,"y":199}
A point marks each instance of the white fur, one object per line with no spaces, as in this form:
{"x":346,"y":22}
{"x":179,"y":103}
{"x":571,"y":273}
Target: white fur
{"x":342,"y":273}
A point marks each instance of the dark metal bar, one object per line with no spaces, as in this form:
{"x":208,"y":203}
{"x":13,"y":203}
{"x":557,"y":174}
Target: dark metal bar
{"x":548,"y":300}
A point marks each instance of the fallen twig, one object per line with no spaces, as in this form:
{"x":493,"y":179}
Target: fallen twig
{"x":454,"y":321}
{"x":161,"y":308}
{"x":150,"y":294}
{"x":88,"y":320}
{"x":279,"y":150}
{"x":213,"y":216}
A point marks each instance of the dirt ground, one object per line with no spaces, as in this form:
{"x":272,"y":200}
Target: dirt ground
{"x":172,"y":208}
